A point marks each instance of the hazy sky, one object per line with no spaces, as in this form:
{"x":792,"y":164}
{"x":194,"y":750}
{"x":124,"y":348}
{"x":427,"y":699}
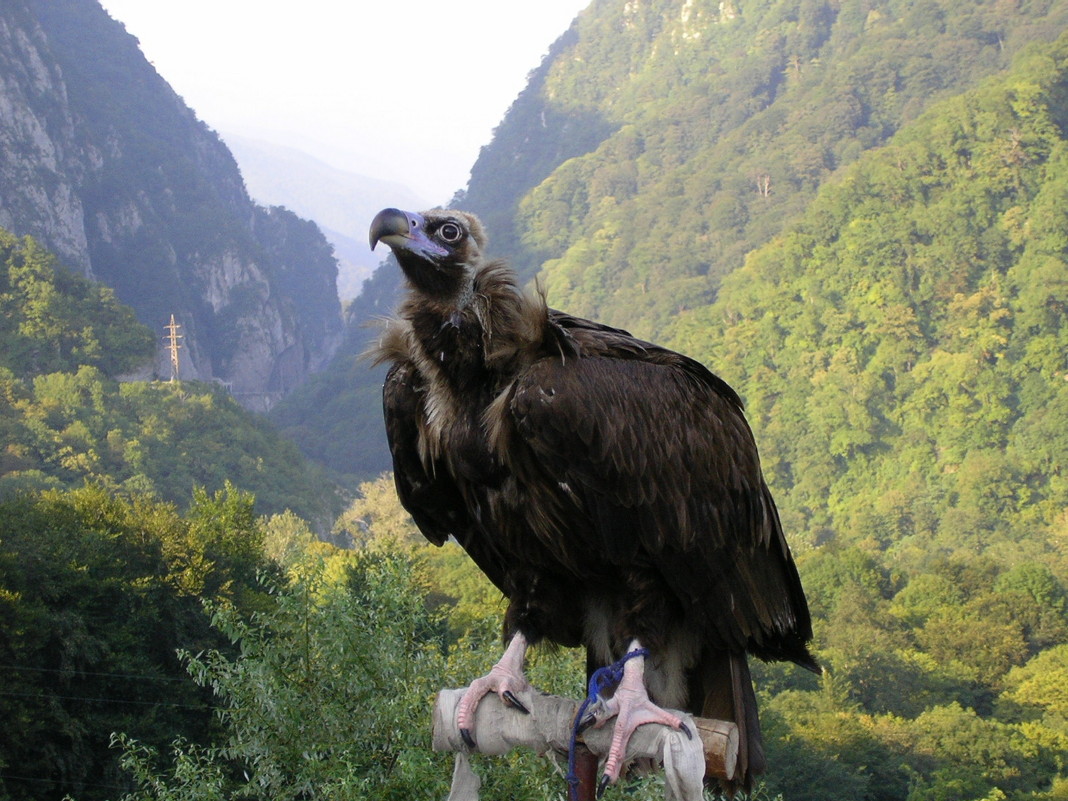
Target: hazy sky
{"x":405,"y":90}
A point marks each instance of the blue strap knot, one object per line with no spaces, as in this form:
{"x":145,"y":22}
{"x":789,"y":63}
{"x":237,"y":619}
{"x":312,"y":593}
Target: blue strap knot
{"x":602,"y":679}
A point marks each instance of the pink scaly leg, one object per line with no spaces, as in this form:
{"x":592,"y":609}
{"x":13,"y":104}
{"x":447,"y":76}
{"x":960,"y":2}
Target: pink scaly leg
{"x":631,"y":707}
{"x":506,"y":678}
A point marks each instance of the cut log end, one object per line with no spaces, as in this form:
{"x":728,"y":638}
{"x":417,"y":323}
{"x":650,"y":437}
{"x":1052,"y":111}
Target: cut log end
{"x":720,"y":741}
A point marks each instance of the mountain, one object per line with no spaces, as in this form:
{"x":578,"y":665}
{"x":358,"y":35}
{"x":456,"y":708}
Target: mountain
{"x":105,"y":165}
{"x":662,"y":140}
{"x":902,"y":347}
{"x":66,"y":419}
{"x":720,"y":121}
{"x":342,"y":203}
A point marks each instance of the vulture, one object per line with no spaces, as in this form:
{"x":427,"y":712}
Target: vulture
{"x":610,"y":488}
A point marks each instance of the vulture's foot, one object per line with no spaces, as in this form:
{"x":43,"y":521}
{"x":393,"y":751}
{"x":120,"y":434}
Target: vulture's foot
{"x":631,"y":707}
{"x":506,"y":678}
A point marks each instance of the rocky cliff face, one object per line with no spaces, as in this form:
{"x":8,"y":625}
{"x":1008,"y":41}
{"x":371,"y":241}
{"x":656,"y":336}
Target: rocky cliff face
{"x":37,"y":135}
{"x":103,"y":163}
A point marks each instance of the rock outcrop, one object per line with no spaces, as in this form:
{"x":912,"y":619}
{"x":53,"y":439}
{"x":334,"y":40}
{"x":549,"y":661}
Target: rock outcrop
{"x":103,"y":163}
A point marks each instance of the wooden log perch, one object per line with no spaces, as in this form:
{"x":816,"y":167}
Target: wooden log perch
{"x":498,"y":729}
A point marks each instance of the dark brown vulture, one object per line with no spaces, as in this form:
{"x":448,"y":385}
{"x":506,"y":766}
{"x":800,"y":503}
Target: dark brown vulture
{"x":610,"y":488}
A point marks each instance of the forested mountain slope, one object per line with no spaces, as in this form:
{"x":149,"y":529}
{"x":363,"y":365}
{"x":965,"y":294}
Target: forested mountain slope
{"x":105,"y":165}
{"x":66,"y":419}
{"x":904,"y":348}
{"x":662,"y":140}
{"x":726,"y":118}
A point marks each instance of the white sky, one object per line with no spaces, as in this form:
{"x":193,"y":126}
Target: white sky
{"x":404,"y":90}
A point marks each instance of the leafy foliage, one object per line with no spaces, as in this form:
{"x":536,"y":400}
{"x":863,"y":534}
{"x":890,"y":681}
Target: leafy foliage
{"x":65,"y":419}
{"x":159,"y":438}
{"x":331,"y":693}
{"x":96,"y":595}
{"x":52,"y":320}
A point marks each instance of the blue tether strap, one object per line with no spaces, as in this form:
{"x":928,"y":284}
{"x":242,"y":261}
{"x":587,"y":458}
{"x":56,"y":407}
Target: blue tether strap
{"x":602,"y":679}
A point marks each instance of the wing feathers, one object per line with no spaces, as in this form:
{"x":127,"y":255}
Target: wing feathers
{"x":665,"y":466}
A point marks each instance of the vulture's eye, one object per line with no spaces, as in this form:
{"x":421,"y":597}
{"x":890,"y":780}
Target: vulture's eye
{"x":451,"y":232}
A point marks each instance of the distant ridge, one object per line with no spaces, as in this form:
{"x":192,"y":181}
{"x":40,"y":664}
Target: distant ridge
{"x":341,"y":202}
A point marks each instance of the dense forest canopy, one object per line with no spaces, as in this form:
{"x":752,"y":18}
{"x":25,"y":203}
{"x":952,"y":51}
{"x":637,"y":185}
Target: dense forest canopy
{"x":906,"y":341}
{"x":726,"y":118}
{"x":97,"y":595}
{"x":52,"y":319}
{"x":65,"y":417}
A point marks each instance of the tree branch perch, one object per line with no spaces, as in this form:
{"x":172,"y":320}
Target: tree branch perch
{"x":498,"y":729}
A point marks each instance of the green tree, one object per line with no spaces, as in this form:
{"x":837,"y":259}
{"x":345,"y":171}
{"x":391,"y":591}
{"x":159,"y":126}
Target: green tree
{"x":328,"y":699}
{"x":96,"y":599}
{"x":52,"y":319}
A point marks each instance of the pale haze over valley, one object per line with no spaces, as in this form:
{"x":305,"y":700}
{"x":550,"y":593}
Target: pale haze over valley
{"x":343,"y":108}
{"x":404,"y":93}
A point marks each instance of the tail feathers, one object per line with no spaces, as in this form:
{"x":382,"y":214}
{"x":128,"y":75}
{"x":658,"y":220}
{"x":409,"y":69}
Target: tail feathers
{"x":728,"y":695}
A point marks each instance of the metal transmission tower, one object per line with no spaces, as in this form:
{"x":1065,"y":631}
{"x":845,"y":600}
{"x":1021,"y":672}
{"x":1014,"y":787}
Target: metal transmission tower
{"x":173,"y":345}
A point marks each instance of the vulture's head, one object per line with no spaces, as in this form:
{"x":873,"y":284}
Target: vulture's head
{"x":439,"y":250}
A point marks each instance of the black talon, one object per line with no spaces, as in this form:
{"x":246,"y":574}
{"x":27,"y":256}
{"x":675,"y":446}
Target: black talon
{"x":686,"y":731}
{"x":465,"y":735}
{"x":602,"y":786}
{"x":588,"y":721}
{"x":511,"y":700}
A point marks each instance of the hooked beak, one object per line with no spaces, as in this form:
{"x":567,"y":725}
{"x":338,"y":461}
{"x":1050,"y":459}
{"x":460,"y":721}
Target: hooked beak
{"x":393,"y":226}
{"x":405,"y":233}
